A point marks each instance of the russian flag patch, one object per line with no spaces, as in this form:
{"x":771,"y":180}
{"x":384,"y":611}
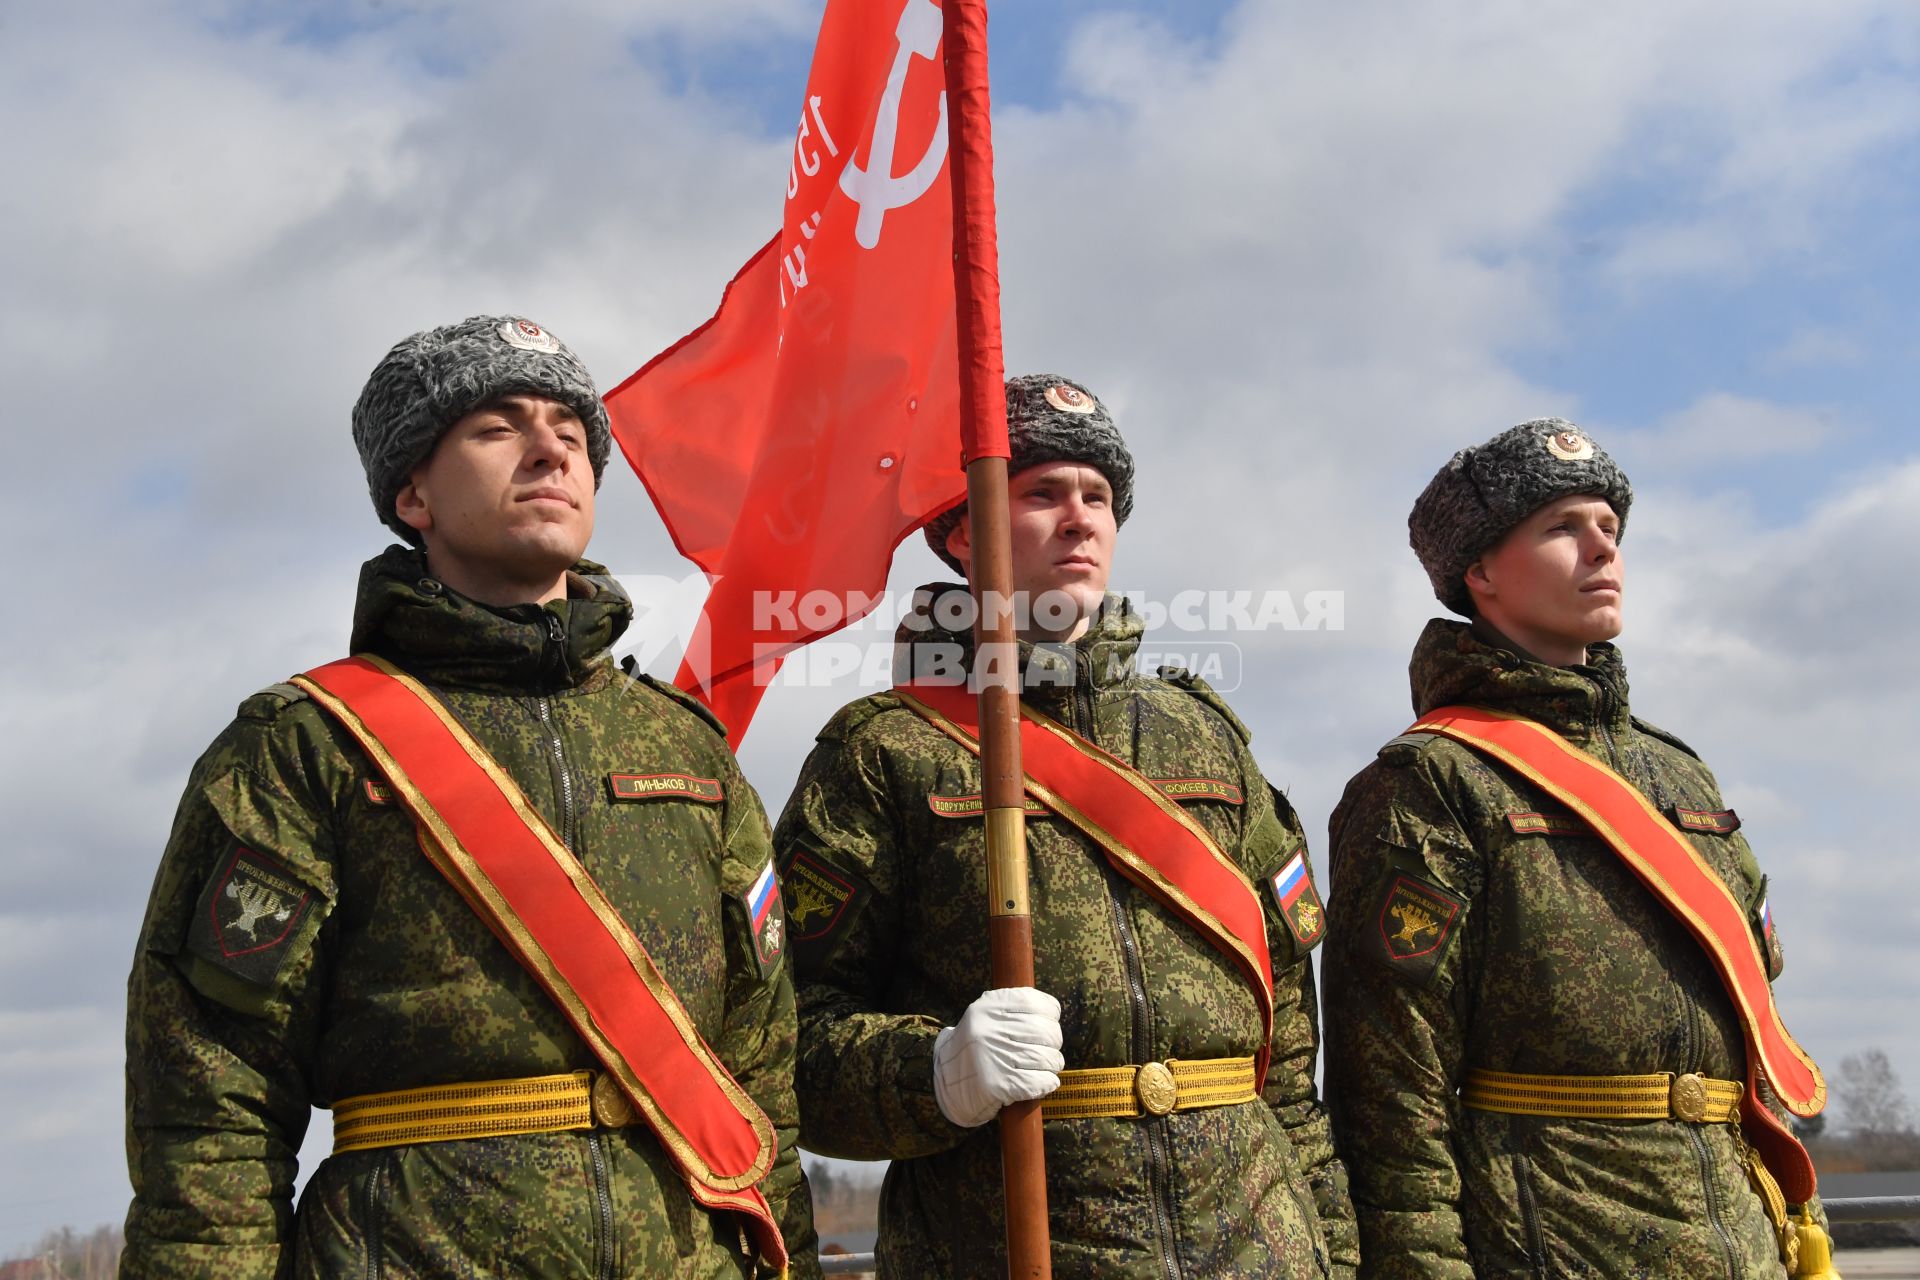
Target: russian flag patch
{"x":767,"y":918}
{"x":1298,"y":900}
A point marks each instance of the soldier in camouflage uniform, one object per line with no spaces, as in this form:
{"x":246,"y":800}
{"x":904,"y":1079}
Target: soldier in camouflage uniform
{"x":882,"y":854}
{"x":1479,"y":926}
{"x":299,"y":949}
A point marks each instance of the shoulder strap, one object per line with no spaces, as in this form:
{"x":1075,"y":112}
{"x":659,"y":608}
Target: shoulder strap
{"x":1148,"y":838}
{"x":1673,"y":870}
{"x":481,"y":832}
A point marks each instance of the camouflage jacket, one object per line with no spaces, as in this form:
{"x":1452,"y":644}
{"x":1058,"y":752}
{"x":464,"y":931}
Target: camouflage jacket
{"x":883,"y":864}
{"x":382,"y":977}
{"x":1475,"y":923}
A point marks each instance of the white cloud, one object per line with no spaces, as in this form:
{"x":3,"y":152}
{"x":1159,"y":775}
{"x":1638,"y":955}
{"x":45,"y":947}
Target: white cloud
{"x":1729,"y":430}
{"x":1295,"y":258}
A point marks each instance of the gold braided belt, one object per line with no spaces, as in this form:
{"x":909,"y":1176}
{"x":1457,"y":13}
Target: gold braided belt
{"x":1153,"y":1090}
{"x":482,"y":1109}
{"x":1694,"y":1098}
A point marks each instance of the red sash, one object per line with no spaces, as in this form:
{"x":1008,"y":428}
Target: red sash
{"x":1148,"y":838}
{"x":1668,"y":864}
{"x":482,"y":833}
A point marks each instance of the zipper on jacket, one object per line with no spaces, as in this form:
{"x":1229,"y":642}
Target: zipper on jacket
{"x":1695,"y":1023}
{"x":1689,"y":1031}
{"x":1716,"y":1208}
{"x":562,"y":775}
{"x":603,"y":1211}
{"x":1083,"y":694}
{"x":1159,"y":1161}
{"x":1530,"y":1214}
{"x":1604,"y":723}
{"x":373,"y":1191}
{"x":556,"y":647}
{"x":1159,"y":1172}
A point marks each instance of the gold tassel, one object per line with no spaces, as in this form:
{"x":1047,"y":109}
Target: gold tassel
{"x":1816,"y":1251}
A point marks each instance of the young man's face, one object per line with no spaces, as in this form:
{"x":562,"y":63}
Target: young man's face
{"x":1553,"y":584}
{"x":505,"y":500}
{"x":1063,"y":534}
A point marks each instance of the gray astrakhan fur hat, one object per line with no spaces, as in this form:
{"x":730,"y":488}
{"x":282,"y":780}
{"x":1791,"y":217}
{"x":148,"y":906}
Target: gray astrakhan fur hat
{"x":1053,"y":419}
{"x":1483,"y":492}
{"x":431,"y":380}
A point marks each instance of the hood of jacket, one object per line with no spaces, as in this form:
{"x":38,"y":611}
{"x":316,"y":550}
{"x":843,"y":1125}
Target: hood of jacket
{"x":934,"y":643}
{"x":1458,"y":662}
{"x":407,"y":616}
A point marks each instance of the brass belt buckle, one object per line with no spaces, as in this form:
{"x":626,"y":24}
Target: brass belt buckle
{"x":1687,"y":1097}
{"x":1154,"y":1086}
{"x":612,"y":1109}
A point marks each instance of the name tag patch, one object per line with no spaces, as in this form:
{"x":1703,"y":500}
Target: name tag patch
{"x":1719,"y":822}
{"x":1415,"y":927}
{"x":248,"y":915}
{"x":974,"y":806}
{"x":1184,"y":789}
{"x":1298,"y":900}
{"x":377,"y":792}
{"x":766,"y":919}
{"x":664,"y":786}
{"x":1547,"y":824}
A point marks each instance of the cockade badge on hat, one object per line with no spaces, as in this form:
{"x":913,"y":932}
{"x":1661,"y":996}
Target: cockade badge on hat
{"x":1068,"y":399}
{"x":1569,"y":446}
{"x":528,"y":336}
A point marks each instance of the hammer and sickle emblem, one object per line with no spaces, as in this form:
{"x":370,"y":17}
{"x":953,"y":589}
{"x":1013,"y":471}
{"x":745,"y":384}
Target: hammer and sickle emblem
{"x":875,"y":188}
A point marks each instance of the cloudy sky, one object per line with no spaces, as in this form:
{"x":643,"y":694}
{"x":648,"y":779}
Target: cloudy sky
{"x":1303,"y":250}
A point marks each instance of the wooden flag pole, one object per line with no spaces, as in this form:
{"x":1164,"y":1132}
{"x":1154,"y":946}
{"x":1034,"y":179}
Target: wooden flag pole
{"x":983,"y":428}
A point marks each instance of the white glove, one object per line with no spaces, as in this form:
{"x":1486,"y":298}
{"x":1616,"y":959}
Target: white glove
{"x":1006,"y":1049}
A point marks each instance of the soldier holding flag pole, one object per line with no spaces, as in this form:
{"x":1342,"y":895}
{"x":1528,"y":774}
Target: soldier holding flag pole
{"x":790,"y":443}
{"x":1172,"y":910}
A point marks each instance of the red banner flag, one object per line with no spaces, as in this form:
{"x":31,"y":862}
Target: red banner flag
{"x":793,"y":440}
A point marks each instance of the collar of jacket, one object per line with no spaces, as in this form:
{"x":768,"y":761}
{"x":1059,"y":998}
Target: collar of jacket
{"x":1453,"y":662}
{"x":1050,"y":672}
{"x":412,"y":619}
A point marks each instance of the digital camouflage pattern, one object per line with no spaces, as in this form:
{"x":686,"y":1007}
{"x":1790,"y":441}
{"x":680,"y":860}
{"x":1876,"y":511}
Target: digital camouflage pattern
{"x":1475,"y":923}
{"x":299,"y":948}
{"x":883,"y":860}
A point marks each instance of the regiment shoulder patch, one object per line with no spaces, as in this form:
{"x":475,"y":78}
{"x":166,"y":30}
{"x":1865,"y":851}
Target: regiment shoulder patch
{"x":248,"y":917}
{"x":1415,"y":927}
{"x":818,"y":898}
{"x":1298,"y":901}
{"x":766,"y":919}
{"x":664,"y":786}
{"x":1720,"y":822}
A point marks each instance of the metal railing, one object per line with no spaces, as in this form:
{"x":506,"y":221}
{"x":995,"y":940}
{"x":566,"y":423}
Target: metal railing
{"x":1852,"y":1209}
{"x":1873,"y":1209}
